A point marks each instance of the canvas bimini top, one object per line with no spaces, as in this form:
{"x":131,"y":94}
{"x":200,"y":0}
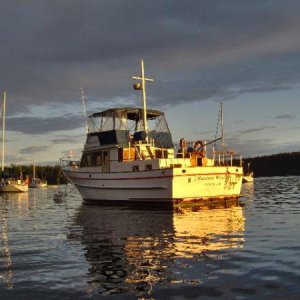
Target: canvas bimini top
{"x":130,"y":113}
{"x":116,"y":125}
{"x":130,"y":119}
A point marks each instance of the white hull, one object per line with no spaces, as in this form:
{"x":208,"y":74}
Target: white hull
{"x":37,"y":185}
{"x":247,"y":179}
{"x":167,"y":185}
{"x":13,"y":188}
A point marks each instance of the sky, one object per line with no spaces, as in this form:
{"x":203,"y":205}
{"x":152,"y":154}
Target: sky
{"x":245,"y":54}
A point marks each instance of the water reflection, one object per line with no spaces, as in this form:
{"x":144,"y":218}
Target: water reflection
{"x":132,"y":250}
{"x":18,"y":201}
{"x":248,"y":190}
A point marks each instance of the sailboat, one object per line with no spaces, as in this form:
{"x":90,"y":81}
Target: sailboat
{"x":248,"y":175}
{"x":9,"y":184}
{"x":36,"y":182}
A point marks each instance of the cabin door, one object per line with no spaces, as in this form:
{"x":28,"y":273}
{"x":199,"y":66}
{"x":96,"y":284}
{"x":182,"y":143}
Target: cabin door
{"x":105,"y":161}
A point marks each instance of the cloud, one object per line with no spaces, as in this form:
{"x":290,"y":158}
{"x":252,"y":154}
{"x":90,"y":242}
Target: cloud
{"x":195,"y":50}
{"x":251,"y":130}
{"x":253,"y":147}
{"x":285,"y":117}
{"x":290,"y":128}
{"x":65,"y":139}
{"x":202,"y":49}
{"x":42,"y":126}
{"x":34,"y":149}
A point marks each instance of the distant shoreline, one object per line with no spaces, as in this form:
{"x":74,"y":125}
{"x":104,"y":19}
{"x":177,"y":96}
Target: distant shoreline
{"x":282,"y":164}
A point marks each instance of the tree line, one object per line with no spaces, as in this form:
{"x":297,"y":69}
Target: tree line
{"x":282,"y":164}
{"x":53,"y":174}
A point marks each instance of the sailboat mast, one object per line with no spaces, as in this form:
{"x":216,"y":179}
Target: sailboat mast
{"x":3,"y":129}
{"x":84,"y":110}
{"x":222,"y":132}
{"x":33,"y":163}
{"x":222,"y":126}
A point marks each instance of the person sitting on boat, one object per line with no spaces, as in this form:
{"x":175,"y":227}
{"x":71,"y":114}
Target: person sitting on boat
{"x":199,"y":148}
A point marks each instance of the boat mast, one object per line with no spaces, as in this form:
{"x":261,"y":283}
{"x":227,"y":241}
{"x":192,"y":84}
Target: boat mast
{"x":33,"y":163}
{"x":3,"y":128}
{"x":84,"y":110}
{"x":143,"y":88}
{"x":222,"y":132}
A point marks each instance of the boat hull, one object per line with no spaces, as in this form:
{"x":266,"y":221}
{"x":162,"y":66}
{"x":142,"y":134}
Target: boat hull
{"x":247,"y":179}
{"x":37,"y":185}
{"x":163,"y":185}
{"x":13,"y":188}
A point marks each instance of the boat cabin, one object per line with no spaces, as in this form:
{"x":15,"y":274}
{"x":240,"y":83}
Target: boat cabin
{"x":118,"y":135}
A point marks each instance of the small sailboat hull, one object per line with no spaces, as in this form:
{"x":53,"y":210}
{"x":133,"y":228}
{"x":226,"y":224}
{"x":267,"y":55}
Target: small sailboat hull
{"x":38,"y":184}
{"x":247,"y":179}
{"x":13,"y":188}
{"x":9,"y":184}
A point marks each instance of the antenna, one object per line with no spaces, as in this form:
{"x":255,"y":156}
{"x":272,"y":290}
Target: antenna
{"x":84,"y":110}
{"x":3,"y":128}
{"x":33,"y":162}
{"x":222,"y":133}
{"x":222,"y":128}
{"x":143,"y":88}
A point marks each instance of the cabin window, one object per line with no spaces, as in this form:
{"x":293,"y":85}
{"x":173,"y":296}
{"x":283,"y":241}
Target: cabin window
{"x":135,"y":168}
{"x":120,"y":154}
{"x":95,"y":160}
{"x":148,"y":167}
{"x":105,"y":157}
{"x":89,"y":160}
{"x":98,"y":160}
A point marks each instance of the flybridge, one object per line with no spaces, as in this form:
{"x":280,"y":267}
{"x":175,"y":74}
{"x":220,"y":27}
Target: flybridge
{"x":122,"y":125}
{"x":127,"y":119}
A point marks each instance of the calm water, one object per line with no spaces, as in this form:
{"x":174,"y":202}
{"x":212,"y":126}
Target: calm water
{"x":72,"y":250}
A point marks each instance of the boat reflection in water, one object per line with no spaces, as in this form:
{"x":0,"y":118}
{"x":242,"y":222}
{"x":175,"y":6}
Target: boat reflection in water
{"x":20,"y":202}
{"x":132,"y":250}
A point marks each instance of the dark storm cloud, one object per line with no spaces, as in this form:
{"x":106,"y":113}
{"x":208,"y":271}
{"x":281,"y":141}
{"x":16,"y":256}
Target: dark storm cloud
{"x":32,"y":125}
{"x":196,"y":50}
